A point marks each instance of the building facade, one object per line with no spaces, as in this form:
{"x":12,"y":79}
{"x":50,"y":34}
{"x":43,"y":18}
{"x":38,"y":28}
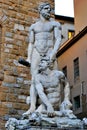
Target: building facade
{"x":67,"y":25}
{"x":15,"y":18}
{"x":72,"y":60}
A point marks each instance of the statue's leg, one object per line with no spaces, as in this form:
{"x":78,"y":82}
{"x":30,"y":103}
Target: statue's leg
{"x":43,"y":97}
{"x":34,"y":69}
{"x":33,"y":96}
{"x":67,"y":90}
{"x":35,"y":62}
{"x":41,"y":108}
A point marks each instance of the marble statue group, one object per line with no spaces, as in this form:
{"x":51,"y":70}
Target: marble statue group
{"x":44,"y":42}
{"x":46,"y":79}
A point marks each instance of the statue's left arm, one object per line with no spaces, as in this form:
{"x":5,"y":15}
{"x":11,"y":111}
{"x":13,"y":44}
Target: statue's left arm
{"x":57,"y":39}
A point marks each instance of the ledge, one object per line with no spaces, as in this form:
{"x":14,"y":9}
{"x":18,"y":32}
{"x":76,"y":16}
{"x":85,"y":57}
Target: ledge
{"x":72,"y":41}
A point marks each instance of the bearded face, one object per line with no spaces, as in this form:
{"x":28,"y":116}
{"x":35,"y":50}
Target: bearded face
{"x":46,"y":15}
{"x":43,"y":65}
{"x":45,"y":12}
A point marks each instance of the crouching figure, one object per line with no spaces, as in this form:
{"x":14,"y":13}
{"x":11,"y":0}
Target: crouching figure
{"x":48,"y":82}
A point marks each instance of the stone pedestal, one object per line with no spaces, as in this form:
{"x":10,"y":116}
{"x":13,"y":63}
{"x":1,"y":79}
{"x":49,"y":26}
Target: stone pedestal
{"x":59,"y":123}
{"x":51,"y":128}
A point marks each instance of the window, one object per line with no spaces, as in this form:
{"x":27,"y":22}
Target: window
{"x":71,"y":33}
{"x":76,"y":69}
{"x":65,"y":71}
{"x":77,"y":102}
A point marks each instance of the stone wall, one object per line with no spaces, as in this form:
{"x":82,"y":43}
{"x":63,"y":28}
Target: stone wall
{"x":15,"y":18}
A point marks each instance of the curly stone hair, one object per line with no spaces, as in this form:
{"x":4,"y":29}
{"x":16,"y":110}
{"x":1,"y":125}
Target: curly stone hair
{"x":41,"y":5}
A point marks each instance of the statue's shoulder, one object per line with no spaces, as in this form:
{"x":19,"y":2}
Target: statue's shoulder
{"x":55,"y":23}
{"x":32,"y":27}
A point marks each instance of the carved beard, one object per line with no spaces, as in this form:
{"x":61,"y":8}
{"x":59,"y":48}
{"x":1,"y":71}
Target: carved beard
{"x":46,"y":15}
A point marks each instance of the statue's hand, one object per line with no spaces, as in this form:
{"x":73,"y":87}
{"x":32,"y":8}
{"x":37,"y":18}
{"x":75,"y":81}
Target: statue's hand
{"x":28,"y":60}
{"x":52,"y":56}
{"x":50,"y":111}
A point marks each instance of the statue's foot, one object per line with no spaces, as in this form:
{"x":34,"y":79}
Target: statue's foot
{"x":69,"y":113}
{"x":71,"y":116}
{"x":24,"y":62}
{"x":58,"y":113}
{"x":50,"y":111}
{"x":31,"y":110}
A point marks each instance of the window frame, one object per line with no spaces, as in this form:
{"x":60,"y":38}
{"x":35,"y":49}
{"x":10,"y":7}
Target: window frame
{"x":64,"y":69}
{"x":77,"y":102}
{"x":72,"y":33}
{"x":76,"y":69}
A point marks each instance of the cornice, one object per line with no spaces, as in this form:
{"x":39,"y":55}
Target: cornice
{"x":72,"y":41}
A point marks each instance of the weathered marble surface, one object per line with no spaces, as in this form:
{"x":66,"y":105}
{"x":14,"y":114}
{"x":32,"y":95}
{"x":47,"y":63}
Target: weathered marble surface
{"x":45,"y":40}
{"x":47,"y":80}
{"x":57,"y":123}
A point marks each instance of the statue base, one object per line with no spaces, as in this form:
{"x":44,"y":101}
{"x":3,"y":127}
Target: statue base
{"x":48,"y":128}
{"x":44,"y":123}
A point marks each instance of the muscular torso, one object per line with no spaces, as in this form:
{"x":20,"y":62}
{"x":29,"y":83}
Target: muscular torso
{"x":51,"y":87}
{"x":43,"y":35}
{"x":49,"y":80}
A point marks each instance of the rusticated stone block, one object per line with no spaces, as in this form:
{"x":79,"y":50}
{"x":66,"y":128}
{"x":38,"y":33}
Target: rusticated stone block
{"x":10,"y":79}
{"x":9,"y":34}
{"x":3,"y":96}
{"x":15,"y":20}
{"x":11,"y":85}
{"x":21,"y":106}
{"x":24,"y":91}
{"x":13,"y":111}
{"x":11,"y":97}
{"x":6,"y":104}
{"x":8,"y":45}
{"x":1,"y":76}
{"x":4,"y":90}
